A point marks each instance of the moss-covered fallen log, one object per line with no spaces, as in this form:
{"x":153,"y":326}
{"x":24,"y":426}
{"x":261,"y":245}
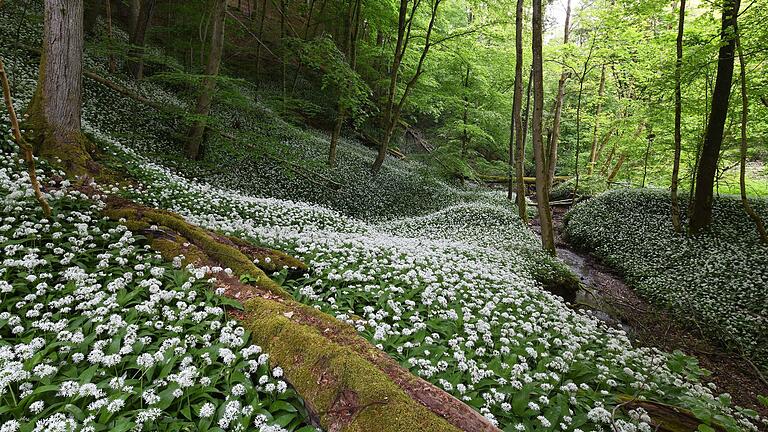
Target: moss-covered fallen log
{"x":347,"y":383}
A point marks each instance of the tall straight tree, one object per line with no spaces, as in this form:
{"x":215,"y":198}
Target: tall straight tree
{"x":701,"y":216}
{"x":517,"y":119}
{"x":678,"y":121}
{"x":542,"y":191}
{"x":138,"y":34}
{"x":55,"y":109}
{"x":558,"y":110}
{"x":393,"y":106}
{"x":208,"y":86}
{"x":759,"y":223}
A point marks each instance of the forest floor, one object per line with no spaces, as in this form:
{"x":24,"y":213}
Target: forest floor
{"x":614,"y":301}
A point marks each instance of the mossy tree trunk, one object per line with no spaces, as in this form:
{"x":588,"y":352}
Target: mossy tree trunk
{"x":208,"y":87}
{"x":54,"y":112}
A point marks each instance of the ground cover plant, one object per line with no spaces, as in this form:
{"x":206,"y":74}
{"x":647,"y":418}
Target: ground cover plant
{"x":716,"y":280}
{"x":98,"y":333}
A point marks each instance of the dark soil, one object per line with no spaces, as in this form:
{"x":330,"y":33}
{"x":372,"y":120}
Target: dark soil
{"x":649,"y":325}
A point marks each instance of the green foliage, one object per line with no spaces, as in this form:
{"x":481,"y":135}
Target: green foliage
{"x":323,"y":56}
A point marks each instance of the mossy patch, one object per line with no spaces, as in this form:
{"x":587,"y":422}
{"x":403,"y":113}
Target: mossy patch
{"x":217,"y":252}
{"x":269,"y":260}
{"x":345,"y":391}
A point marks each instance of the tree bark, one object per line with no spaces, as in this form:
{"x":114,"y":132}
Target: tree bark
{"x":135,"y":62}
{"x":465,"y":117}
{"x":701,"y":217}
{"x":558,"y":110}
{"x":108,"y":13}
{"x":759,"y":224}
{"x":542,"y":191}
{"x":678,"y":121}
{"x":208,"y":87}
{"x":593,"y":152}
{"x":263,"y":14}
{"x":517,"y":119}
{"x":617,"y":168}
{"x":55,"y":109}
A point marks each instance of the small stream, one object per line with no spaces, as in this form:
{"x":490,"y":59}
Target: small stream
{"x":595,"y":282}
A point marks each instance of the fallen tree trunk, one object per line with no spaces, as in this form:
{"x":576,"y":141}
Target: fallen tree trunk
{"x":347,"y":383}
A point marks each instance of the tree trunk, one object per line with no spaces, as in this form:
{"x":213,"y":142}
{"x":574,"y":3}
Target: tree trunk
{"x":593,"y":152}
{"x":527,"y":114}
{"x":701,"y":217}
{"x":208,"y":87}
{"x":617,"y":168}
{"x":108,"y":13}
{"x":558,"y":110}
{"x":647,"y":155}
{"x":465,"y":117}
{"x":542,"y":191}
{"x":517,"y":117}
{"x":134,"y":6}
{"x":608,"y":161}
{"x":335,"y":138}
{"x":261,"y":36}
{"x":578,"y":132}
{"x":402,"y":25}
{"x":678,"y":121}
{"x":284,"y":52}
{"x":392,"y":116}
{"x":135,"y":62}
{"x":743,"y":168}
{"x":350,"y":51}
{"x":54,"y":112}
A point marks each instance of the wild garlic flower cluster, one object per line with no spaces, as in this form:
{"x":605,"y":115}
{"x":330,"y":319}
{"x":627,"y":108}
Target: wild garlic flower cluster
{"x":96,"y":331}
{"x":451,"y":295}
